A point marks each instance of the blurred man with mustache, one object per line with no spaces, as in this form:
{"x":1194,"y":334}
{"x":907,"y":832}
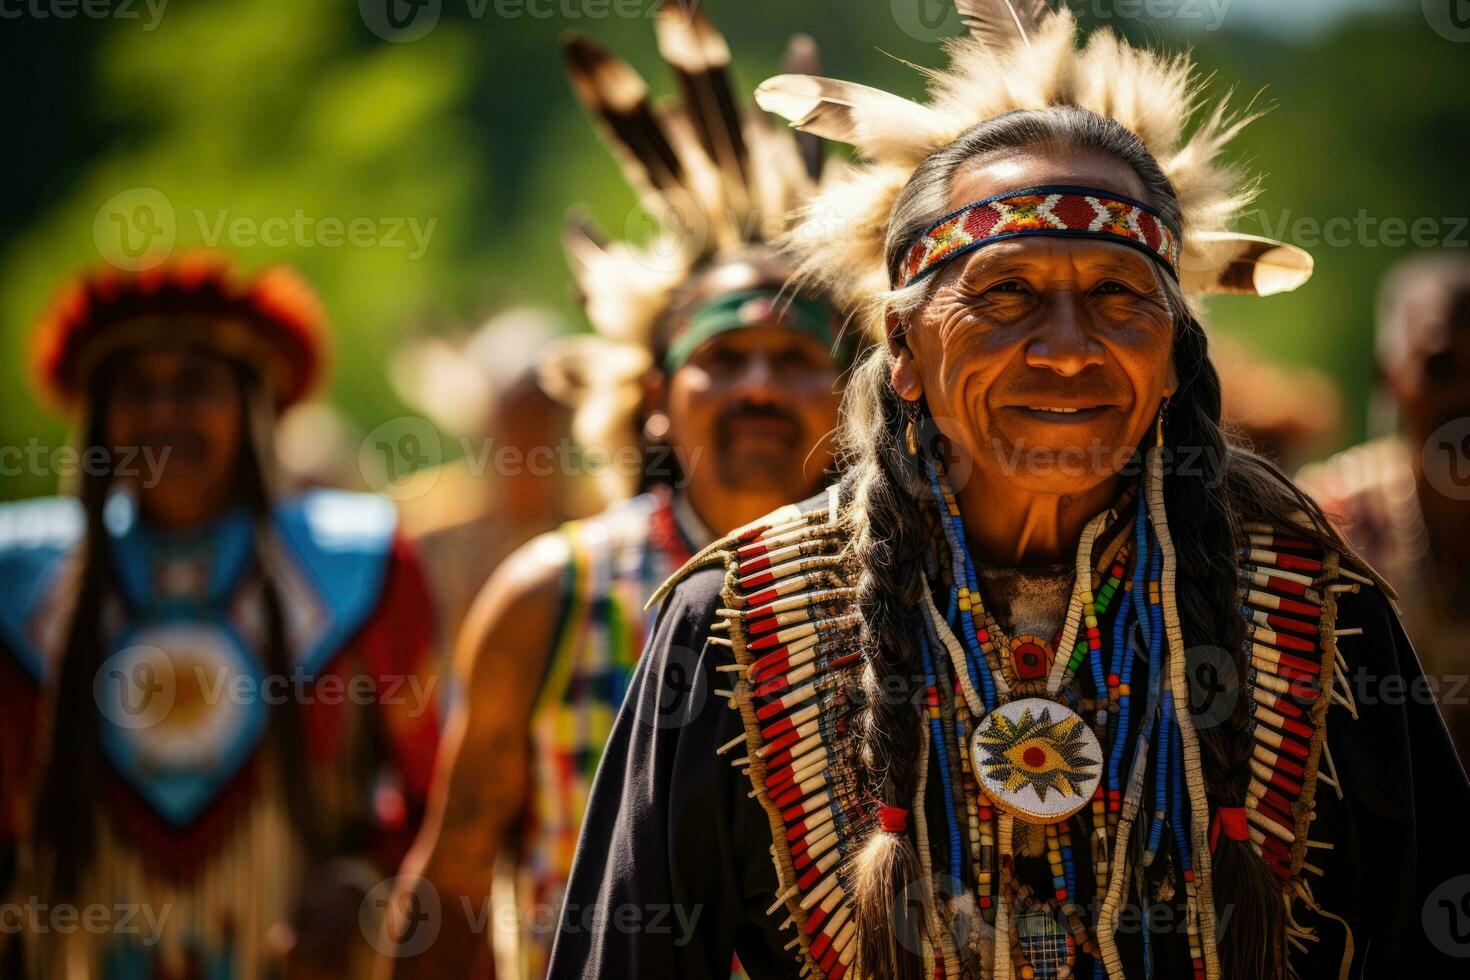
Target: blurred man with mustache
{"x":709,"y":389}
{"x":215,"y":713}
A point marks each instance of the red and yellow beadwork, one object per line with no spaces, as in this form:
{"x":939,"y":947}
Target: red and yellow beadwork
{"x":1064,"y":211}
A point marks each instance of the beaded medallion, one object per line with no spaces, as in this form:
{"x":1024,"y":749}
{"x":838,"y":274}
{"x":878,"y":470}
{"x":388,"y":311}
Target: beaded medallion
{"x":1037,"y":760}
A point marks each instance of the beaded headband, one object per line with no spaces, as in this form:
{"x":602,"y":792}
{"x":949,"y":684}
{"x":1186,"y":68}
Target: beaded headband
{"x":1055,"y":210}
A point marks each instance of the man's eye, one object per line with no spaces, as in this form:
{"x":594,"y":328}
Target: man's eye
{"x":793,"y":361}
{"x":1008,"y":286}
{"x":1112,"y":288}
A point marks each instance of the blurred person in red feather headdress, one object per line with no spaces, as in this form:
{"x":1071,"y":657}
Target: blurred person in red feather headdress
{"x":216,"y":701}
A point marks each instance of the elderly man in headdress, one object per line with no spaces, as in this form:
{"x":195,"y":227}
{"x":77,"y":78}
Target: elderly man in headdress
{"x":1404,"y":497}
{"x":1052,"y":683}
{"x":709,"y":390}
{"x":216,"y":717}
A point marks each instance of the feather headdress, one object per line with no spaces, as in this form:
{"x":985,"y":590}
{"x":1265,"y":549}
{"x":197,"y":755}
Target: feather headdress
{"x":719,"y":178}
{"x":1022,"y":54}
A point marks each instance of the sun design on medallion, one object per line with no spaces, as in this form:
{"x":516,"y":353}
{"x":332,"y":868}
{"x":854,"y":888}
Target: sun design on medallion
{"x":1032,"y":750}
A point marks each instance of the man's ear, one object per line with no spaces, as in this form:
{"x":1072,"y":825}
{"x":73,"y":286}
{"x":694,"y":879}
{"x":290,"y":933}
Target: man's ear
{"x":895,"y":330}
{"x":655,"y":385}
{"x":655,"y":407}
{"x":905,"y":377}
{"x":1171,"y":379}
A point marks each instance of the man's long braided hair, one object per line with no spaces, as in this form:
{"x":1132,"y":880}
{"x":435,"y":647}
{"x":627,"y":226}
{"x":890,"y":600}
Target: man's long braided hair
{"x":1230,"y":487}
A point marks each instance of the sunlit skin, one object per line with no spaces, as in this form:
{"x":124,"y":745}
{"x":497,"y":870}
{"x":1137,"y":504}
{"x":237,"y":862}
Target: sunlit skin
{"x":1027,"y":325}
{"x":183,"y":407}
{"x":750,"y":414}
{"x":748,"y":418}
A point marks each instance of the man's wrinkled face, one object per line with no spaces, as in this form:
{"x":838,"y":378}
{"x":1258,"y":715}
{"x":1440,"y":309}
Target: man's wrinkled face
{"x":183,"y":408}
{"x":1043,"y":360}
{"x":756,"y":404}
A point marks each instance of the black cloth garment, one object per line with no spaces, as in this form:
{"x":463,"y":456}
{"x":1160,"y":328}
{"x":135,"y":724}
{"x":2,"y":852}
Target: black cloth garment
{"x":673,"y":871}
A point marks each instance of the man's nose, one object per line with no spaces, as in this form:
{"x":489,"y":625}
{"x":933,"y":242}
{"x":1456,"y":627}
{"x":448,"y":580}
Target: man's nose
{"x":1063,"y":342}
{"x":165,"y":403}
{"x":757,"y":377}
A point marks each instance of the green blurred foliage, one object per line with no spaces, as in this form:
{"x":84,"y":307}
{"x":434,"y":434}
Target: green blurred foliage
{"x":273,"y":107}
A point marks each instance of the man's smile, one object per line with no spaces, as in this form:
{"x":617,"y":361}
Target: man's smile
{"x":1058,"y":414}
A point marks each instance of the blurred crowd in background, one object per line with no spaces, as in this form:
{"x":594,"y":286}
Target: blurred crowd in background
{"x":417,"y":176}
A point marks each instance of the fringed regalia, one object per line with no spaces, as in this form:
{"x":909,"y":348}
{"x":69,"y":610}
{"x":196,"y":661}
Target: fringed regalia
{"x":194,"y":832}
{"x":1020,"y":893}
{"x":753,"y":848}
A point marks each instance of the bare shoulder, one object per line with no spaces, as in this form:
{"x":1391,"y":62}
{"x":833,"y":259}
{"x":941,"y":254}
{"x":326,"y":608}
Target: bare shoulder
{"x":508,"y":633}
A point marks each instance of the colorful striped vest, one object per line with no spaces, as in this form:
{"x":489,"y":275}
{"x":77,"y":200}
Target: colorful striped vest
{"x":617,"y":560}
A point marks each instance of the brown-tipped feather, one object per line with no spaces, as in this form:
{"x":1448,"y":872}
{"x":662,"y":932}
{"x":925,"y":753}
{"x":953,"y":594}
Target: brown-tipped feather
{"x":1001,"y":23}
{"x":1232,"y":262}
{"x":825,"y":106}
{"x":715,"y":216}
{"x":700,"y":58}
{"x":618,"y":98}
{"x":802,"y":58}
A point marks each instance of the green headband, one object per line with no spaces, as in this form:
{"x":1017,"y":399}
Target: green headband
{"x":749,"y":308}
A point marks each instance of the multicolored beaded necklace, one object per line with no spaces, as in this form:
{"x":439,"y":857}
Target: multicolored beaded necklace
{"x":990,"y":706}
